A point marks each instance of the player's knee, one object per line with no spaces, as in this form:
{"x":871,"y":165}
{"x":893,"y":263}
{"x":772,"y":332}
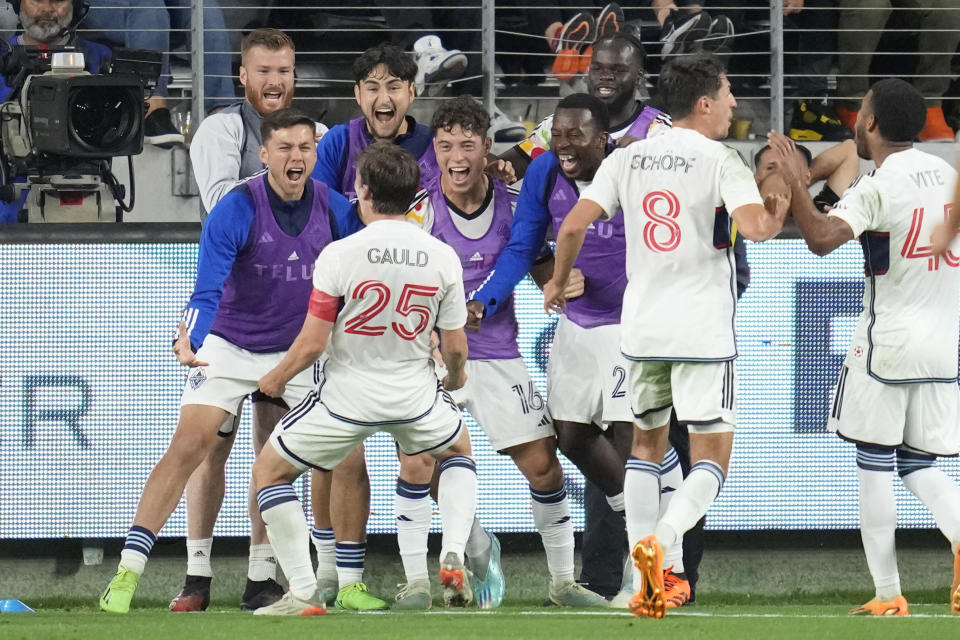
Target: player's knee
{"x":416,"y":469}
{"x":570,"y":439}
{"x":540,"y":467}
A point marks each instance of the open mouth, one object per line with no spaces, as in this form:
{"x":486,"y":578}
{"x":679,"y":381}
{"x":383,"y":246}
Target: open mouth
{"x":384,"y":114}
{"x":568,"y":163}
{"x":606,"y":92}
{"x":459,"y":175}
{"x":295,"y":175}
{"x":272,"y":97}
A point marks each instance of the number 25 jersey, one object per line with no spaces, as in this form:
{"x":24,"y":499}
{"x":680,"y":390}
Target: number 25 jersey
{"x":675,"y":190}
{"x":397,"y":283}
{"x":908,"y":329}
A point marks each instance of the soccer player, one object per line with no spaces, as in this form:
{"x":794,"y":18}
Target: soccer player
{"x":896,"y":398}
{"x":472,"y":213}
{"x":396,"y":285}
{"x":255,"y":263}
{"x":677,"y":329}
{"x":838,"y":166}
{"x":224,"y":153}
{"x":614,"y":76}
{"x":384,"y":90}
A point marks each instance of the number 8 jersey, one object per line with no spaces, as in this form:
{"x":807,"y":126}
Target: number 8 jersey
{"x":675,"y":190}
{"x":397,"y":283}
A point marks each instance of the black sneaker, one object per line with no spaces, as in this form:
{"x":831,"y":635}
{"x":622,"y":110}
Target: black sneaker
{"x":260,"y":593}
{"x":681,"y":33}
{"x":816,"y":121}
{"x":159,"y":131}
{"x":195,"y":595}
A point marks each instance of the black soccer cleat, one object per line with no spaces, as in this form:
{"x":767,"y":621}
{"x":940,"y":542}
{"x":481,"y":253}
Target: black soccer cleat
{"x":195,"y":595}
{"x":260,"y":593}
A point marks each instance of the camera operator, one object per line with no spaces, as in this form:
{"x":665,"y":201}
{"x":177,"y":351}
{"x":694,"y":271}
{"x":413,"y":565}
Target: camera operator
{"x":52,"y":23}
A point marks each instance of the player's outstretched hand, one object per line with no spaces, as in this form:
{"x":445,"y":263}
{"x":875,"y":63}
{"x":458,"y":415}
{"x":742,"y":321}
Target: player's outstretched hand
{"x":502,"y":169}
{"x":475,"y":311}
{"x":452,"y":383}
{"x":553,"y":298}
{"x":272,"y":385}
{"x":184,"y":350}
{"x":575,"y":284}
{"x":789,"y":162}
{"x":777,"y":205}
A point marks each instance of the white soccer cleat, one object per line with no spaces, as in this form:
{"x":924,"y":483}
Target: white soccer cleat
{"x":291,"y":605}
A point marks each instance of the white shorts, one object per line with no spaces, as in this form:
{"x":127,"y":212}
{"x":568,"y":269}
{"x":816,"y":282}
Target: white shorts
{"x":587,"y":375}
{"x":703,"y":393}
{"x":308,"y":436}
{"x":923,"y":415}
{"x":233,"y":373}
{"x":502,"y":398}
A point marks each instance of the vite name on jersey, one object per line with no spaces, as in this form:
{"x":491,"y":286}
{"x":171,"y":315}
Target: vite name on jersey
{"x":394,"y":255}
{"x":665,"y":162}
{"x":928,"y":178}
{"x":285,"y":272}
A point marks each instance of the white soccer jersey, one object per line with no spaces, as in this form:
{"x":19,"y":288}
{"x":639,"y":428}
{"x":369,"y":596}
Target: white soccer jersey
{"x":397,"y":283}
{"x":909,"y":326}
{"x":675,"y":190}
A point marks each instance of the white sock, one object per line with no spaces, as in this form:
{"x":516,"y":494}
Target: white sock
{"x":616,"y":502}
{"x":671,"y":477}
{"x":133,"y":560}
{"x":938,"y":493}
{"x":198,"y":557}
{"x":289,"y":536}
{"x":478,"y":549}
{"x":695,"y":495}
{"x":878,"y":518}
{"x":351,"y":556}
{"x":262,"y":564}
{"x":457,"y":499}
{"x":324,"y":543}
{"x":551,"y":515}
{"x":641,"y":491}
{"x":414,"y":512}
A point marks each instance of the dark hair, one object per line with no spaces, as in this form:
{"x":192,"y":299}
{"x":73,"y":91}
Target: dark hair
{"x":899,"y":109}
{"x":283,"y":119}
{"x":392,"y":175}
{"x":398,"y":62}
{"x":266,"y":37}
{"x":598,"y":110}
{"x":686,"y":79}
{"x":802,"y":149}
{"x":620,"y":39}
{"x":464,"y":111}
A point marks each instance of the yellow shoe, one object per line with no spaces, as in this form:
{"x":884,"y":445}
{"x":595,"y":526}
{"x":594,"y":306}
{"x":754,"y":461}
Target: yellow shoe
{"x":649,"y":600}
{"x":896,"y":607}
{"x":955,"y":589}
{"x":676,"y":589}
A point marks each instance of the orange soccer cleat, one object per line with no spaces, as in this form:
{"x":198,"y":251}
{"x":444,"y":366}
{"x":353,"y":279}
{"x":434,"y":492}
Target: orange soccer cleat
{"x":676,"y":589}
{"x":876,"y":607}
{"x":955,"y":589}
{"x":649,"y":600}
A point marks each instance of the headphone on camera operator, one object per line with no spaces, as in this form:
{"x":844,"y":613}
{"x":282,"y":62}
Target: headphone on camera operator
{"x":80,"y":10}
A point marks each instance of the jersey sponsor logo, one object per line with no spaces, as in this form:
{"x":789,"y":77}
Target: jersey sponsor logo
{"x":266,"y":237}
{"x":476,"y":257}
{"x":293,"y":256}
{"x":285,"y":272}
{"x":603,"y":230}
{"x":389,"y":255}
{"x":665,"y":162}
{"x":197,"y":378}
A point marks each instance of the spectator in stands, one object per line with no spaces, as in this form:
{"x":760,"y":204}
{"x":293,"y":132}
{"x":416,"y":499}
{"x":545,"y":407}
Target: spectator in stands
{"x":861,"y":23}
{"x":49,"y":23}
{"x":148,"y":24}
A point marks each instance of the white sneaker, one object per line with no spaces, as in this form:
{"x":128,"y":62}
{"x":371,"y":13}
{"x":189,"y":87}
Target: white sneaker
{"x":414,"y":595}
{"x":622,"y":599}
{"x":436,"y":65}
{"x":291,"y":605}
{"x":503,"y":128}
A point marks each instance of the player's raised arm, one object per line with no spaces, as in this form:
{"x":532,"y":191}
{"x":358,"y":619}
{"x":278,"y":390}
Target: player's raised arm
{"x":822,"y":233}
{"x":569,"y":241}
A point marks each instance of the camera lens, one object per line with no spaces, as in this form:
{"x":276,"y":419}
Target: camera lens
{"x":103,"y":118}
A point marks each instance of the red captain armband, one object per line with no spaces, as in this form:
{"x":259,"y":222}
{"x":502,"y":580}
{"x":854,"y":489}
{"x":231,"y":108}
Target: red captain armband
{"x":323,"y":305}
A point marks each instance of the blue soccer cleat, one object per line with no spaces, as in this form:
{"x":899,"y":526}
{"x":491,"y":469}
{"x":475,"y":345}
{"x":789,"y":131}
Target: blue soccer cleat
{"x":488,"y":592}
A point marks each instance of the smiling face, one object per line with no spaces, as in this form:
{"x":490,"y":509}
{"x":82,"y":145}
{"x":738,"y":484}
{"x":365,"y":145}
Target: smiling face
{"x":461,"y":156}
{"x":290,"y":155}
{"x":614,"y":75}
{"x":578,"y":143}
{"x":384,"y":100}
{"x":267,"y":78}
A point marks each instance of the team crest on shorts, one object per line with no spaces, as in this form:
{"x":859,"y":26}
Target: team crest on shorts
{"x":197,"y":378}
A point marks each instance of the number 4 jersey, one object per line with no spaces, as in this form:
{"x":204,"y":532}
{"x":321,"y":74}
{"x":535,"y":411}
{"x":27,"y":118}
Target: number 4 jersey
{"x":675,"y":190}
{"x":908,"y":329}
{"x":397,"y":283}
